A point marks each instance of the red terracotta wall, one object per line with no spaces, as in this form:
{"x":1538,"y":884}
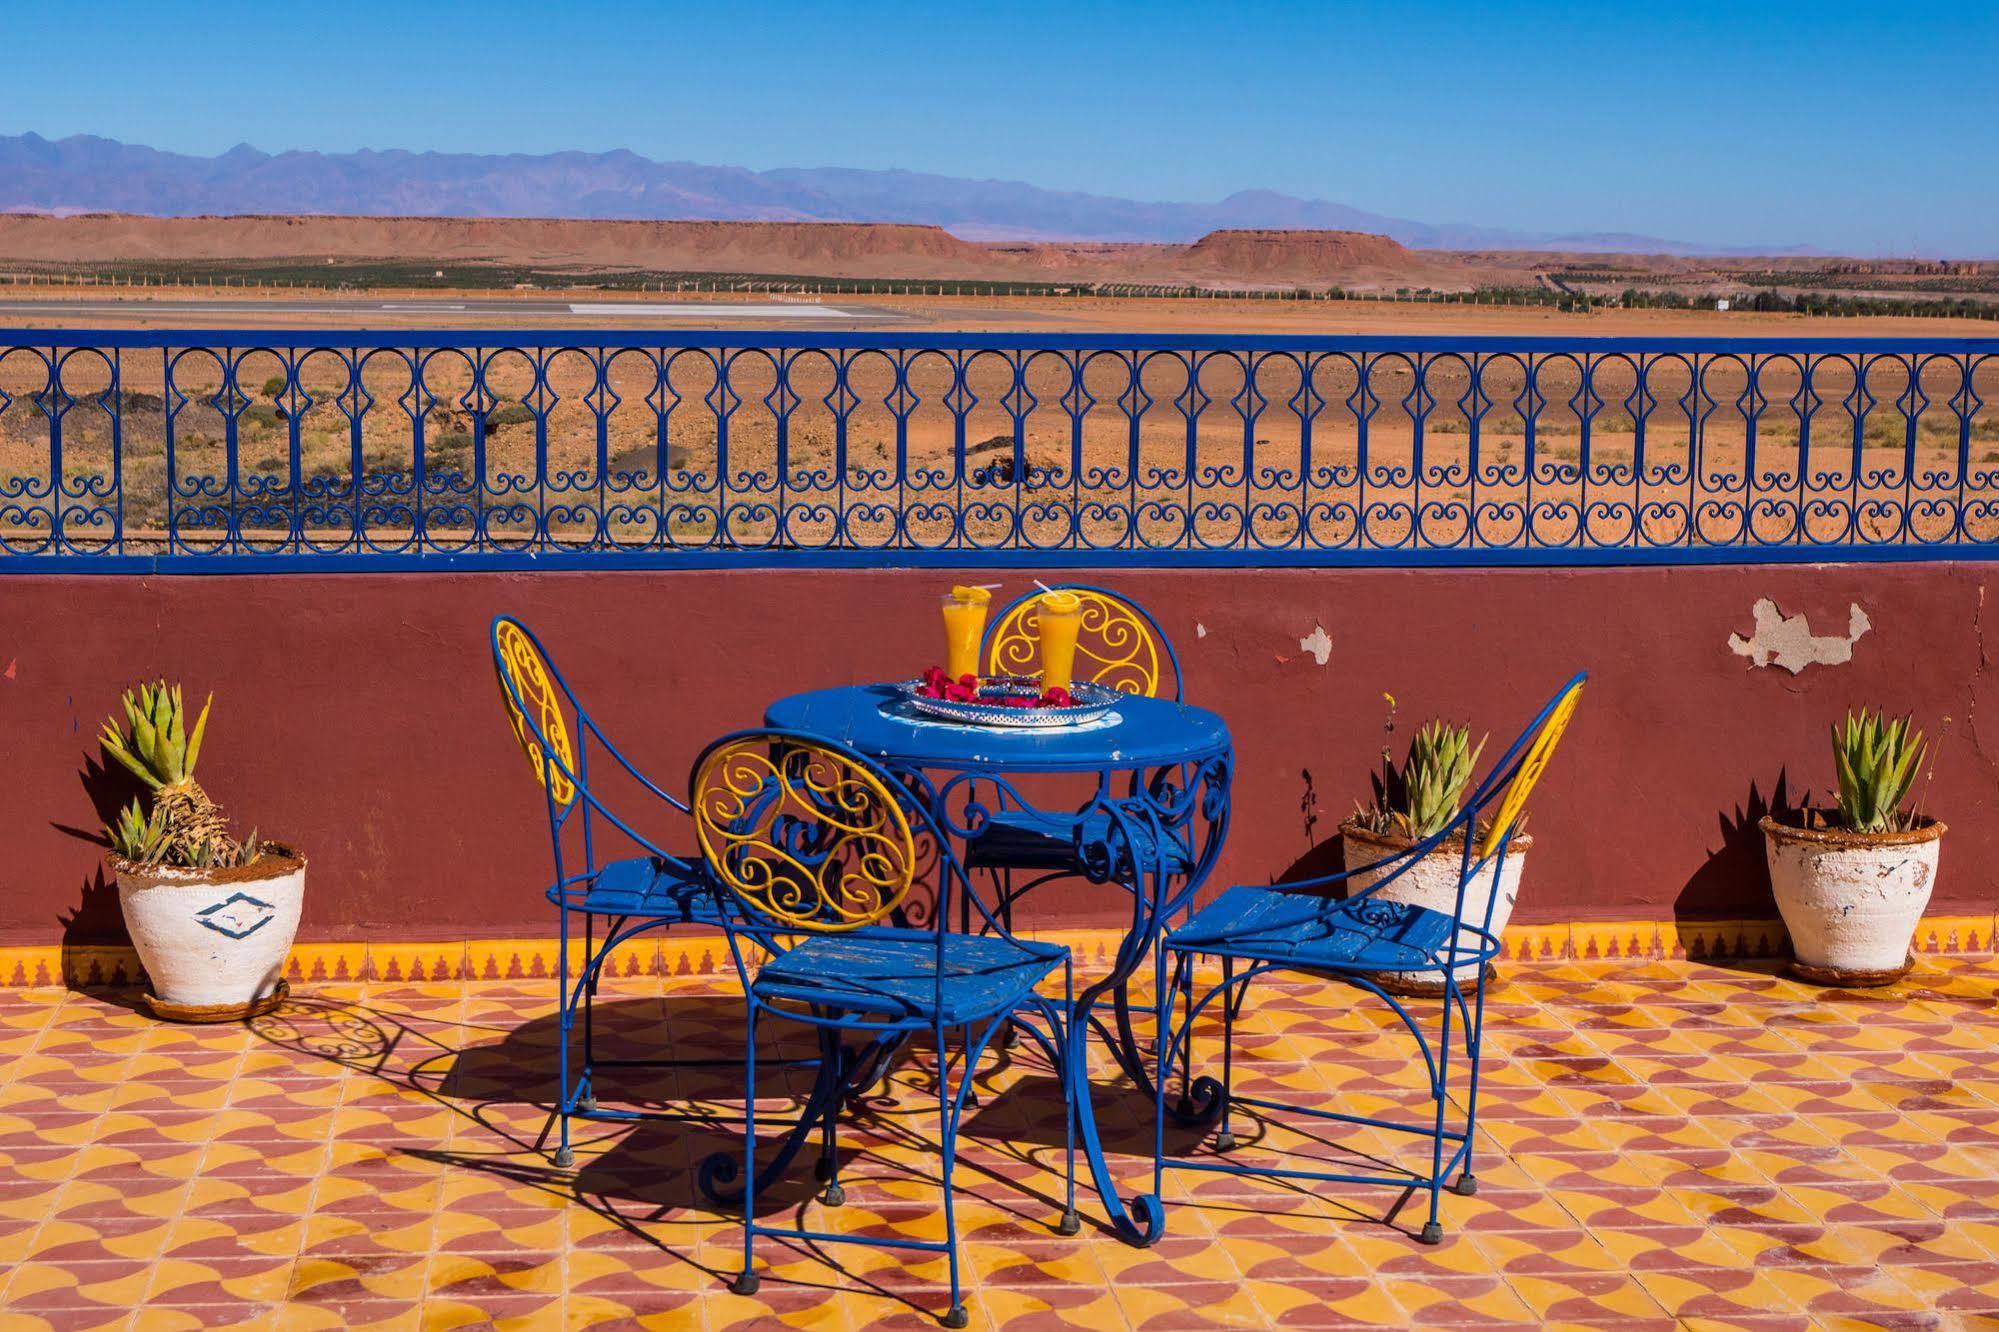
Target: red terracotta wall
{"x":357,"y":715}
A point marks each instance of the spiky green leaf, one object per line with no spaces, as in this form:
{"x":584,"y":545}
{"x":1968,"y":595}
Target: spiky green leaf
{"x":194,"y":737}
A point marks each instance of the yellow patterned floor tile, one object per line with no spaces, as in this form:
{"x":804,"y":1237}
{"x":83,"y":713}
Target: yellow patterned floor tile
{"x":1659,"y":1140}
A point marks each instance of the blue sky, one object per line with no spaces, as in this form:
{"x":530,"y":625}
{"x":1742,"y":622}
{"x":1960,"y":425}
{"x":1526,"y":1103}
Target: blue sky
{"x":1857,"y":127}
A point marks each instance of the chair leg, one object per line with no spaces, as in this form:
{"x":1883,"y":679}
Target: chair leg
{"x":1004,"y":878}
{"x":1467,"y":1184}
{"x":1224,"y":1135}
{"x":971,"y":1086}
{"x":564,"y":1156}
{"x":1433,"y":1229}
{"x":747,"y":1280}
{"x":586,"y":1084}
{"x":956,"y":1316}
{"x":1162,"y":1047}
{"x":1070,"y":1222}
{"x":1187,"y":1020}
{"x":828,"y":1169}
{"x":965,"y":1035}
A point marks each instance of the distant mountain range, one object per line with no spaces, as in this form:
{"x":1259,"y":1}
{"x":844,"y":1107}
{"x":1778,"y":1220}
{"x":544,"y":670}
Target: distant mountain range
{"x":84,"y":173}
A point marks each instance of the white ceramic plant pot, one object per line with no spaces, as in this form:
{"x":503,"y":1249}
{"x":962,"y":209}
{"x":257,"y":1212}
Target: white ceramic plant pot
{"x":1851,"y":901}
{"x":1433,"y":882}
{"x":213,"y":941}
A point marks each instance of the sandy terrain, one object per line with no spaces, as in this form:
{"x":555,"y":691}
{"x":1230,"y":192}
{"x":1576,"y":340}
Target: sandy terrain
{"x":824,"y":249}
{"x":498,"y":252}
{"x":655,"y":462}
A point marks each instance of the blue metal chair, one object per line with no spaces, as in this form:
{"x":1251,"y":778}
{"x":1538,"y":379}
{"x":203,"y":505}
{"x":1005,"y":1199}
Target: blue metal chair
{"x":1120,"y":646}
{"x":1300,"y":927}
{"x":814,"y":847}
{"x":631,"y":895}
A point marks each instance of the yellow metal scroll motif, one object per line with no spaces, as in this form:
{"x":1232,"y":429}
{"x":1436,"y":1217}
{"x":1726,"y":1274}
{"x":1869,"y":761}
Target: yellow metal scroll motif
{"x":520,"y":662}
{"x":1115,"y":639}
{"x":1539,"y":751}
{"x":803,"y":834}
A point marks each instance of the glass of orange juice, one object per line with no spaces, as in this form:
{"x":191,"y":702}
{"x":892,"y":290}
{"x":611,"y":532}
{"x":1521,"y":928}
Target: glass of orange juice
{"x":1059,"y":616}
{"x":964,"y":627}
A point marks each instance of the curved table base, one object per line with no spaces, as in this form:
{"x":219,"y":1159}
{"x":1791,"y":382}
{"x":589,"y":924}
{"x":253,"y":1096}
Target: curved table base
{"x":842,"y":1073}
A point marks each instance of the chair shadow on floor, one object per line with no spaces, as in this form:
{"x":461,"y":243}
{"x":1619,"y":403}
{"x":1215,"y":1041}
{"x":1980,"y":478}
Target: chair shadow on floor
{"x":502,"y":1078}
{"x":643,"y":1176}
{"x":1023,"y":1123}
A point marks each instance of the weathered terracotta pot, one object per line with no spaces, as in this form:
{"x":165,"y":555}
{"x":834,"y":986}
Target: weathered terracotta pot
{"x":1851,"y":901}
{"x":1433,"y":882}
{"x":213,"y":941}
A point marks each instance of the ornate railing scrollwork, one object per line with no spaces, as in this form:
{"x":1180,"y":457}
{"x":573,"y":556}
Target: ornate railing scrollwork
{"x":296,"y":448}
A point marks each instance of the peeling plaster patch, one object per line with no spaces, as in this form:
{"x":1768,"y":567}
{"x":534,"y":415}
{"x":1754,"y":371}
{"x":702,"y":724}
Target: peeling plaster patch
{"x":1318,"y":643}
{"x":1787,"y":640}
{"x":1200,"y":630}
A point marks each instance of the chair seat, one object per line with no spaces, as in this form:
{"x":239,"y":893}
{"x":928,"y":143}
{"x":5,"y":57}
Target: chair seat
{"x":892,"y":973}
{"x":1031,"y":840}
{"x":1330,"y":934}
{"x":646,"y":887}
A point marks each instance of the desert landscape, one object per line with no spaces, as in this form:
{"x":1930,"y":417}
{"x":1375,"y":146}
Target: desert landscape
{"x":124,"y":255}
{"x":633,"y":445}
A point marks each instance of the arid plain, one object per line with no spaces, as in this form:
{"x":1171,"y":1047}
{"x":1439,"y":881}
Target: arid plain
{"x":473,"y":441}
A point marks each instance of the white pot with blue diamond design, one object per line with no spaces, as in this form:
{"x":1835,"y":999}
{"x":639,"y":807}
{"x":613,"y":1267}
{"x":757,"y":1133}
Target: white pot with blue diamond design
{"x":213,"y":941}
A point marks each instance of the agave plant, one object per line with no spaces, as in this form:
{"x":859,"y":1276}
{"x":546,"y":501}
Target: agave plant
{"x":1422,"y":796}
{"x":1876,"y":761}
{"x":156,"y":745}
{"x":137,"y":836}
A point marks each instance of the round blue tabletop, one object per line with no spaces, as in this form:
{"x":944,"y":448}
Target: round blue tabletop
{"x":878,"y":721}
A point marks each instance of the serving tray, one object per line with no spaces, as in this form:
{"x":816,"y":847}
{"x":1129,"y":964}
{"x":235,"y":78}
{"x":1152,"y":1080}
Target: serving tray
{"x":1092,"y":701}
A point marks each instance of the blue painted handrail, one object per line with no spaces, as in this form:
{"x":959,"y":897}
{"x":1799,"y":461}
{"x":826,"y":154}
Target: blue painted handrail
{"x":270,"y":450}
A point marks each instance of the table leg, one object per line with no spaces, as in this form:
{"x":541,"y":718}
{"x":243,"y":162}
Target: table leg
{"x":1145,"y":1220}
{"x":1175,"y":798}
{"x":1199,"y":1104}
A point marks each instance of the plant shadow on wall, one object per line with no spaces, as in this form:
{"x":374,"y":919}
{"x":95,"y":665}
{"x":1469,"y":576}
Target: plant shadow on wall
{"x":1322,"y":855}
{"x":95,"y":923}
{"x":1733,"y":883}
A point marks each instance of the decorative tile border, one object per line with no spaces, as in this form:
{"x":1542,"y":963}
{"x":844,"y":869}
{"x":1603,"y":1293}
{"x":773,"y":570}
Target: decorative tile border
{"x":665,"y":955}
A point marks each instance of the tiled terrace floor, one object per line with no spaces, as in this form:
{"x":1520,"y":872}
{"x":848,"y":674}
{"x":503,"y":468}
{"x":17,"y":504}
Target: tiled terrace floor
{"x":1662,"y":1141}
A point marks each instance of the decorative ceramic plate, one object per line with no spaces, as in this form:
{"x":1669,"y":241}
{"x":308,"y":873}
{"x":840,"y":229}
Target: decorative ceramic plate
{"x":1092,"y":701}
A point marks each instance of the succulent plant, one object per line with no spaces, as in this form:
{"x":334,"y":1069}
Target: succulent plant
{"x":137,"y":836}
{"x":1422,"y":796}
{"x":156,"y":745}
{"x":1876,"y":761}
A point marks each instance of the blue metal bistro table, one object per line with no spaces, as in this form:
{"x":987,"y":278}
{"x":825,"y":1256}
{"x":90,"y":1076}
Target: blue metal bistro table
{"x":1153,"y":822}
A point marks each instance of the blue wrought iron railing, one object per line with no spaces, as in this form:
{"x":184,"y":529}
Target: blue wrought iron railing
{"x":269,"y":449}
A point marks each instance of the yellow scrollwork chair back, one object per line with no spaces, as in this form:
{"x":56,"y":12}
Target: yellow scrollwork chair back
{"x":1539,"y":750}
{"x":1117,"y":645}
{"x":802,"y":832}
{"x":517,"y":659}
